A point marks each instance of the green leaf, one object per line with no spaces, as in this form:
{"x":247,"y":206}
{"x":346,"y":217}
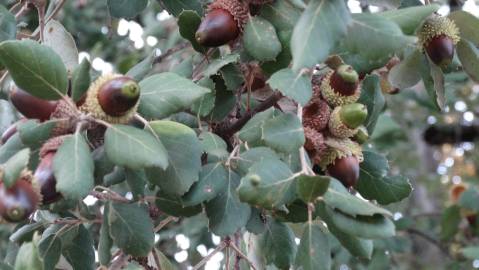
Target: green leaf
{"x":14,"y":167}
{"x":131,"y":228}
{"x":406,"y":74}
{"x":371,"y":41}
{"x":61,"y":41}
{"x":251,"y":132}
{"x":450,"y":220}
{"x":253,"y":156}
{"x":136,"y":180}
{"x":292,"y":85}
{"x":50,"y":250}
{"x":309,"y":188}
{"x":9,"y":149}
{"x":260,"y":39}
{"x":232,"y":76}
{"x":166,"y":93}
{"x":469,"y":56}
{"x":372,"y":97}
{"x":35,"y":68}
{"x":165,"y":263}
{"x":409,"y":18}
{"x":28,"y":258}
{"x":282,"y":14}
{"x":269,"y":183}
{"x":8,"y":25}
{"x":438,"y":84}
{"x":25,"y":233}
{"x":226,"y":213}
{"x":105,"y":241}
{"x":278,"y":246}
{"x":257,"y":222}
{"x":173,"y":206}
{"x":469,"y":199}
{"x":368,"y":227}
{"x":314,"y":252}
{"x":175,"y":7}
{"x":471,"y":252}
{"x":126,"y":8}
{"x":34,"y":134}
{"x":429,"y":83}
{"x":188,"y":23}
{"x":214,"y":179}
{"x":185,"y":68}
{"x":134,"y":148}
{"x":80,"y":252}
{"x":217,"y":64}
{"x":73,"y":167}
{"x":339,"y":198}
{"x":467,"y":24}
{"x":139,"y":71}
{"x":213,"y":145}
{"x":184,"y":153}
{"x":321,"y":25}
{"x":284,"y":133}
{"x":81,"y":80}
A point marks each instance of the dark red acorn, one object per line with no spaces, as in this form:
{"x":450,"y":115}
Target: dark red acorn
{"x":31,"y":106}
{"x":45,"y":179}
{"x":440,"y":50}
{"x":118,"y":95}
{"x":346,"y":170}
{"x":18,"y":202}
{"x":345,"y":80}
{"x":217,"y":28}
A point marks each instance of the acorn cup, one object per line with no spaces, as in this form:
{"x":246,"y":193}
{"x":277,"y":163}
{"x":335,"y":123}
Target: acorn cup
{"x":18,"y":202}
{"x":438,"y":37}
{"x":223,"y":23}
{"x":30,"y":106}
{"x":113,"y":98}
{"x":44,"y":177}
{"x":345,"y":120}
{"x":341,"y":86}
{"x":316,"y":114}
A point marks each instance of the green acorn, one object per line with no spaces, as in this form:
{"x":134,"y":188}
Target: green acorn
{"x":438,"y":36}
{"x":341,"y":87}
{"x":362,"y":135}
{"x":346,"y":119}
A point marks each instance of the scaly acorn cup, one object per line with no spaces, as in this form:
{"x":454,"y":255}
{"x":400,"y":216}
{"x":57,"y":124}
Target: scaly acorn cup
{"x":316,"y":114}
{"x":31,"y":106}
{"x":112,"y":98}
{"x":18,"y":202}
{"x":341,"y":86}
{"x":65,"y":118}
{"x":44,"y":177}
{"x":438,"y":36}
{"x":346,"y":119}
{"x":340,"y":158}
{"x":314,"y":143}
{"x":223,"y":23}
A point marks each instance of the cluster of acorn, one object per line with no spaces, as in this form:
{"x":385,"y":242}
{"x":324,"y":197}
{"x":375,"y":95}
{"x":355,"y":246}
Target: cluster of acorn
{"x":332,"y":123}
{"x":111,"y":98}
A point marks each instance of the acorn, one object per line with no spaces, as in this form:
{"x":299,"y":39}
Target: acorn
{"x":31,"y":106}
{"x":11,"y":130}
{"x":113,"y":98}
{"x":316,"y":114}
{"x":44,"y":177}
{"x":438,"y":37}
{"x":362,"y":135}
{"x":223,"y":23}
{"x":19,"y":201}
{"x":346,"y":119}
{"x":341,"y":86}
{"x":345,"y":169}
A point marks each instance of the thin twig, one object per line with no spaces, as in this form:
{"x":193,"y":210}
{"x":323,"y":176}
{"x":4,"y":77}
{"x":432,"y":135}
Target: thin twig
{"x":119,"y":262}
{"x":165,"y":222}
{"x":430,"y":240}
{"x":238,"y":252}
{"x":227,"y":259}
{"x":170,"y":52}
{"x":209,"y":256}
{"x":157,"y":259}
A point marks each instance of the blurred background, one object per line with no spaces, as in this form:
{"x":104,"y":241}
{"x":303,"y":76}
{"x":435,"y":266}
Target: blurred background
{"x":436,"y":151}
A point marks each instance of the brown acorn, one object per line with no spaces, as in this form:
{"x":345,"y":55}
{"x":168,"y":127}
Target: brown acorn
{"x":31,"y":106}
{"x":44,"y":177}
{"x":18,"y":202}
{"x":223,"y":23}
{"x":438,"y":36}
{"x":346,"y":170}
{"x":341,"y":86}
{"x":113,"y":98}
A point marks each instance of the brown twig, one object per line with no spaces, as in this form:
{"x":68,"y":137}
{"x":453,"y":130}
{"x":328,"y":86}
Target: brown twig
{"x":171,"y":51}
{"x":209,"y":256}
{"x":119,"y":262}
{"x":157,"y":258}
{"x":240,"y":253}
{"x":165,"y":222}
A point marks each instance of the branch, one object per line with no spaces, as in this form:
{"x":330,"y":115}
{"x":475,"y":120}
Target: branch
{"x":430,"y":240}
{"x":227,"y":131}
{"x":170,"y":52}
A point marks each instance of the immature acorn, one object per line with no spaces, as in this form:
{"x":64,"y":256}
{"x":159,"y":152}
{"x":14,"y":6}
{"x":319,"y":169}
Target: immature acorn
{"x":341,"y":86}
{"x":31,"y":106}
{"x":44,"y":177}
{"x":346,"y":119}
{"x":223,"y":23}
{"x":113,"y":98}
{"x":341,"y":160}
{"x":438,"y":36}
{"x":316,"y":114}
{"x":19,"y":201}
